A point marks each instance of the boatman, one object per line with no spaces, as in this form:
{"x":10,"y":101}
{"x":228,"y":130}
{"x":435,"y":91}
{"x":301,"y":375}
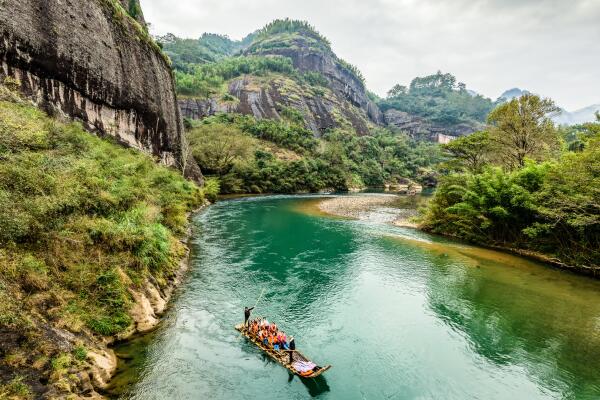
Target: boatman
{"x":292,"y":348}
{"x":247,"y":312}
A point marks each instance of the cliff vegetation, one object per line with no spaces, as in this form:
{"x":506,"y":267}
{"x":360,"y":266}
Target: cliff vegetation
{"x":85,"y":223}
{"x":438,"y":100}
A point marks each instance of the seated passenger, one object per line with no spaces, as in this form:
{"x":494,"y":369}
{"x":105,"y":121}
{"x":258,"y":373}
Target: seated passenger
{"x":271,"y":340}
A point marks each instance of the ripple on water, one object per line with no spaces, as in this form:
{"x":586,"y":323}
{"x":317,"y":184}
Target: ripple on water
{"x":399,"y":314}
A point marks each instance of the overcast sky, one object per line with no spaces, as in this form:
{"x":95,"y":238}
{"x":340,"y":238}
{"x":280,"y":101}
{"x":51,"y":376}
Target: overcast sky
{"x":550,"y":47}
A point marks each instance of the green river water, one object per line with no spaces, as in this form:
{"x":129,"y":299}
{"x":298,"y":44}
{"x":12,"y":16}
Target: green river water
{"x":398,"y":313}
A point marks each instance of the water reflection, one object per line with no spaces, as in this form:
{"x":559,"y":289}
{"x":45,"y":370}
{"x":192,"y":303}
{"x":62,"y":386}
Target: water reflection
{"x":315,"y":387}
{"x":523,"y":315}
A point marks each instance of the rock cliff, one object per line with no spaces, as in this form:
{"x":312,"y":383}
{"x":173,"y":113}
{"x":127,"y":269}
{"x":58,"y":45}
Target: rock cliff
{"x":342,"y":81}
{"x":421,"y":129}
{"x":270,"y":98}
{"x":341,"y":101}
{"x":93,"y":62}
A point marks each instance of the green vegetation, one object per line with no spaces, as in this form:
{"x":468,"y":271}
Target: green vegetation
{"x":283,"y":33}
{"x":514,"y":187}
{"x":353,"y":70}
{"x":578,"y":136}
{"x":204,"y":65}
{"x":266,"y":156}
{"x":469,"y":153}
{"x":206,"y":80}
{"x":208,"y":48}
{"x":83,"y":221}
{"x":128,"y":21}
{"x":134,"y":9}
{"x":521,"y":129}
{"x":15,"y":389}
{"x":440,"y":99}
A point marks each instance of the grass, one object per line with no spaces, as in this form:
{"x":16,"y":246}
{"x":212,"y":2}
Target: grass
{"x":15,"y":389}
{"x":83,"y":221}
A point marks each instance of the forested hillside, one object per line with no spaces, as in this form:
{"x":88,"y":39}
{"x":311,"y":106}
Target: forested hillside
{"x":524,"y":184}
{"x":246,"y":155}
{"x":304,"y":114}
{"x":435,"y":104}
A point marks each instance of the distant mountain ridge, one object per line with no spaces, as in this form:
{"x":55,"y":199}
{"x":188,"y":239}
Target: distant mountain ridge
{"x":581,"y":116}
{"x":564,"y":117}
{"x":289,"y":69}
{"x":510,"y":94}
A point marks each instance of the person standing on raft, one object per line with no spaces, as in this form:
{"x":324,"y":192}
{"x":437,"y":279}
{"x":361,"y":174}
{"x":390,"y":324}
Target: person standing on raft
{"x":292,"y":348}
{"x":247,"y":312}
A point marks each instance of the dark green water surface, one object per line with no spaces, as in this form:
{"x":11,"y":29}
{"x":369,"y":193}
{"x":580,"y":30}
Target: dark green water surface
{"x":399,"y":315}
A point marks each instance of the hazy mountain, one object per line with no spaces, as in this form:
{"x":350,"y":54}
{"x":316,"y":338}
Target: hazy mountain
{"x":564,"y":117}
{"x":511,"y":94}
{"x":586,"y":114}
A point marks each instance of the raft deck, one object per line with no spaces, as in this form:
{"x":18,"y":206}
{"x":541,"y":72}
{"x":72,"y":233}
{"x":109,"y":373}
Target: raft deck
{"x":281,"y":356}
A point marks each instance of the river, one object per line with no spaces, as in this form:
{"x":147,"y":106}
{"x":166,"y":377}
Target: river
{"x":398,"y":313}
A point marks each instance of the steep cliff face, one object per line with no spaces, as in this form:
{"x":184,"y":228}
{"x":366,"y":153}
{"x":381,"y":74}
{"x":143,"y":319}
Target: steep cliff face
{"x":91,"y":61}
{"x":342,"y":81}
{"x":340,"y":101}
{"x":272,"y":97}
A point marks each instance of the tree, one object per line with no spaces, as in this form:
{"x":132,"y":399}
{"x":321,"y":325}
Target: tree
{"x":397,"y":90}
{"x":569,"y":206}
{"x":522,"y":128}
{"x":433,"y":85}
{"x":217,"y":147}
{"x":469,"y":152}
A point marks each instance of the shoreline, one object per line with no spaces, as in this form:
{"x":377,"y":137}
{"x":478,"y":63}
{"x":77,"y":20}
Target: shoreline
{"x":150,"y":305}
{"x":357,"y":207}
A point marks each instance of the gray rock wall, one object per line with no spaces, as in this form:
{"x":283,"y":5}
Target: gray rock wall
{"x":269,"y":101}
{"x":420,"y":129}
{"x":341,"y":81}
{"x":88,"y":60}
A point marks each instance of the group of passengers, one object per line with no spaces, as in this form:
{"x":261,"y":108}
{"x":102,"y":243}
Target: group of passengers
{"x":269,"y":335}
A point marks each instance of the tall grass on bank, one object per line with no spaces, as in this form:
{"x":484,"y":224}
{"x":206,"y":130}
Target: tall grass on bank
{"x":83,"y":219}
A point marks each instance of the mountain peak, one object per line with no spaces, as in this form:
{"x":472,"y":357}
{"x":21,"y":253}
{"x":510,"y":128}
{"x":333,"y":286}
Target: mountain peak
{"x":288,"y":33}
{"x":512,"y":93}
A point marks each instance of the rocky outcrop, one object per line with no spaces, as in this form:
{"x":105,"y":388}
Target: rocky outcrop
{"x":320,"y":107}
{"x":90,"y":61}
{"x":421,"y":129}
{"x":342,"y":102}
{"x":342,"y":81}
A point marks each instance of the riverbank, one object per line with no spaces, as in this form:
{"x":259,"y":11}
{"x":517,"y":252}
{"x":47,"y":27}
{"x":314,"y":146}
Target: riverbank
{"x":150,"y":304}
{"x":93,"y":242}
{"x":392,"y":209}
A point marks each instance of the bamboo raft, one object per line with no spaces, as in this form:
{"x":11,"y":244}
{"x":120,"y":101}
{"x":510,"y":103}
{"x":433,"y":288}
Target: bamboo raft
{"x":282,"y":356}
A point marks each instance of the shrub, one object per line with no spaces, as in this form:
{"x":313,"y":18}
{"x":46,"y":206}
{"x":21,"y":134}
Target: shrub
{"x":211,"y":189}
{"x":16,"y":389}
{"x":80,"y":353}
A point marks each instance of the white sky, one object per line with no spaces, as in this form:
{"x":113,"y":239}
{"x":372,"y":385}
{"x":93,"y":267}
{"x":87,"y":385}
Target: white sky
{"x":550,"y":47}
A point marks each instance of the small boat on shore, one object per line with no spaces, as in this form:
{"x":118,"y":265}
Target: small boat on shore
{"x":283,"y":358}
